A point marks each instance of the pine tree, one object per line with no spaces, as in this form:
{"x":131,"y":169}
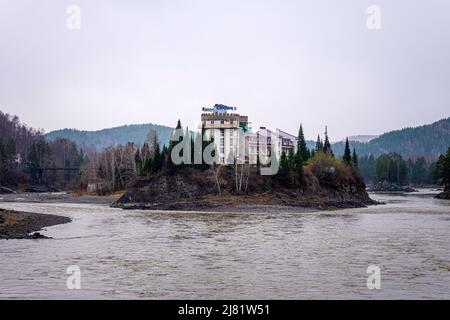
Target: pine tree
{"x":298,"y":167}
{"x":418,"y":170}
{"x":38,"y":158}
{"x":172,"y":167}
{"x":355,"y":158}
{"x":164,"y":156}
{"x":392,"y":168}
{"x":319,"y":144}
{"x":138,"y":161}
{"x":347,"y":153}
{"x":157,"y":159}
{"x":285,"y":172}
{"x":188,"y":146}
{"x":198,"y":153}
{"x":442,"y":171}
{"x":148,"y":167}
{"x":437,"y":169}
{"x":327,"y":144}
{"x":301,"y":145}
{"x":291,"y":158}
{"x":3,"y":163}
{"x":145,"y":152}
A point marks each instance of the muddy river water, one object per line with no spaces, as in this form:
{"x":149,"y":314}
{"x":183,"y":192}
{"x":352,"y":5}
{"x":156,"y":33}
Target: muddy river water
{"x":183,"y":255}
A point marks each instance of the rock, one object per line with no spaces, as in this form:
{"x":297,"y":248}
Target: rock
{"x":37,"y":235}
{"x":444,"y":195}
{"x":385,"y":186}
{"x":5,"y":190}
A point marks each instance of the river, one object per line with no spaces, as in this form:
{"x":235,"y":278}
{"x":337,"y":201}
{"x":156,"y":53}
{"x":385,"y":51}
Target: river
{"x":178,"y":255}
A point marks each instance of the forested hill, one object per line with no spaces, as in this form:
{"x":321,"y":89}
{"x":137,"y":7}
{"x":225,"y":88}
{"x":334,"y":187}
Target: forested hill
{"x":428,"y":141}
{"x":425,"y":141}
{"x":102,"y":139}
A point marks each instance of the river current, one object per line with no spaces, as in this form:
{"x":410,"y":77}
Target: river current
{"x":183,"y":255}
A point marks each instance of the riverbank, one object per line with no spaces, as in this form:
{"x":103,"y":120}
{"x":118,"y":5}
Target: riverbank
{"x":247,"y":203}
{"x":212,"y":203}
{"x":209,"y":203}
{"x":384,"y":186}
{"x":197,"y":190}
{"x":276,"y":255}
{"x":59,"y":197}
{"x":445,"y":195}
{"x":21,"y":225}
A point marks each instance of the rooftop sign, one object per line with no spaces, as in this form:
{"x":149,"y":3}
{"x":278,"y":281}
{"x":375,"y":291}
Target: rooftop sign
{"x":220,"y":108}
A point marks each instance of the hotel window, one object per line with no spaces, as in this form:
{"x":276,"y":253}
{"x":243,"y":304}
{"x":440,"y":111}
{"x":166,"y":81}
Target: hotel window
{"x":222,"y":141}
{"x":222,"y":122}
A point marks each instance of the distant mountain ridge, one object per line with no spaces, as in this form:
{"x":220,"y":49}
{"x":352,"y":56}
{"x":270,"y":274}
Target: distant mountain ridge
{"x":429,"y":140}
{"x":101,"y":139}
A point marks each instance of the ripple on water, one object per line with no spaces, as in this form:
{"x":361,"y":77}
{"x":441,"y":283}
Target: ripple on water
{"x":160,"y":255}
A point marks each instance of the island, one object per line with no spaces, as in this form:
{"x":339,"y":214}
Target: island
{"x":322,"y":183}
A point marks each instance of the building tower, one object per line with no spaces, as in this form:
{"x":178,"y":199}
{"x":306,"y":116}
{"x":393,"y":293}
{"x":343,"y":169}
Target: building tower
{"x":226,"y":129}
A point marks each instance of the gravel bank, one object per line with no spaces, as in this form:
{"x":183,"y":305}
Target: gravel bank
{"x":21,"y":225}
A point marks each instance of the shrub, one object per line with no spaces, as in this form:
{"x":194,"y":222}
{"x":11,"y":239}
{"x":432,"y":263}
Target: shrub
{"x":330,"y":171}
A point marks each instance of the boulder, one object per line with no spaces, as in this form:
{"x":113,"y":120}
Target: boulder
{"x":444,"y":195}
{"x":37,"y":235}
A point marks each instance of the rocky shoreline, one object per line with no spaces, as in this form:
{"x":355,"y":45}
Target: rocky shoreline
{"x":23,"y":225}
{"x":184,"y":192}
{"x":384,"y":186}
{"x":443,"y":195}
{"x":200,"y":206}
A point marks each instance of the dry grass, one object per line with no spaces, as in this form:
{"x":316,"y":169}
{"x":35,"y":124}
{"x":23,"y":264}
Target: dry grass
{"x":10,"y":218}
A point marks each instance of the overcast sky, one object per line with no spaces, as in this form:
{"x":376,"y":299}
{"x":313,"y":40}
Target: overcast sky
{"x":280,"y":62}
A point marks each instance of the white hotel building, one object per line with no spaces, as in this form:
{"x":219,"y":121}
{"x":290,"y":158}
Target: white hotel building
{"x":225,"y":128}
{"x":232,"y":134}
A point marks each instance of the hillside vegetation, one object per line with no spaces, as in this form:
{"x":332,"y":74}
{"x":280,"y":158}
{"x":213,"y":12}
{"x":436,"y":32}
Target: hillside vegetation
{"x":425,"y":141}
{"x":105,"y":138}
{"x":24,"y":154}
{"x":324,"y":182}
